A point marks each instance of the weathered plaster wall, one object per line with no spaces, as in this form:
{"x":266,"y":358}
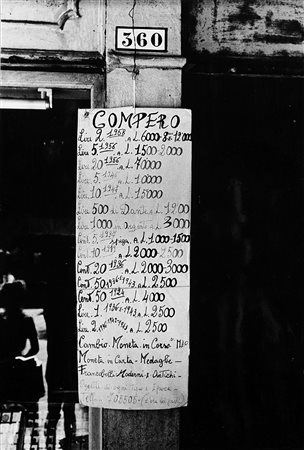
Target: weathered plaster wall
{"x":147,"y":13}
{"x":152,"y":87}
{"x":140,"y":430}
{"x":244,"y":27}
{"x":158,"y":79}
{"x":52,"y":24}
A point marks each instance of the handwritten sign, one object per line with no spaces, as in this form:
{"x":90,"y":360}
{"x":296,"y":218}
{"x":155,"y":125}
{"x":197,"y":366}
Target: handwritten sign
{"x":132,"y":262}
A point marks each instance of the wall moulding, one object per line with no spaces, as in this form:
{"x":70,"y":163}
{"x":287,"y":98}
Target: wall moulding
{"x":54,"y":60}
{"x":257,"y":66}
{"x":58,"y":13}
{"x":118,"y":60}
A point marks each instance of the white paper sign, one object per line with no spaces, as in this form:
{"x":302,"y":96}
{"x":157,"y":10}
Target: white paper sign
{"x":132,"y":262}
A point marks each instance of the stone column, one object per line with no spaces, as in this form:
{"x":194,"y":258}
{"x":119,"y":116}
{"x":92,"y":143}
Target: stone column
{"x":157,"y":82}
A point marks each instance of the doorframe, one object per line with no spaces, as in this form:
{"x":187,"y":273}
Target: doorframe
{"x":95,"y":83}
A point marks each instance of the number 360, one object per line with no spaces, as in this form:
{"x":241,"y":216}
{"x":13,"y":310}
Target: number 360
{"x":142,"y":40}
{"x":147,"y":39}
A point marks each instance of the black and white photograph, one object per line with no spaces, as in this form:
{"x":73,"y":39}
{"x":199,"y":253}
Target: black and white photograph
{"x":151,"y":225}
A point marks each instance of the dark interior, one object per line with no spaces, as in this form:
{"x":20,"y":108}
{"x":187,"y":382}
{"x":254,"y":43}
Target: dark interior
{"x":246,"y":352}
{"x":38,"y":189}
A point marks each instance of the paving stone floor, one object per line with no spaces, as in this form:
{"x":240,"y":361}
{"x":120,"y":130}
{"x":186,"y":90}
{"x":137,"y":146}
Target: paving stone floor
{"x":38,"y":433}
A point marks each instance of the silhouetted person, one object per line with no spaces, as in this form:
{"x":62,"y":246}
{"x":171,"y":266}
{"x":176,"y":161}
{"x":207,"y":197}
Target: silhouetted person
{"x":18,"y":338}
{"x":60,"y":318}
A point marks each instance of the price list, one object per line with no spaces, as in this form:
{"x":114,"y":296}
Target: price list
{"x":132,"y":257}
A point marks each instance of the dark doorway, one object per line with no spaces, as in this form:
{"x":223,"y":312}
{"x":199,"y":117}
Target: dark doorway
{"x":37,"y":246}
{"x":246,"y":360}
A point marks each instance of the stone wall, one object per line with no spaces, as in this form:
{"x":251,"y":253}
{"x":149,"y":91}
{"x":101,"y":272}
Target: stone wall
{"x":243,"y":27}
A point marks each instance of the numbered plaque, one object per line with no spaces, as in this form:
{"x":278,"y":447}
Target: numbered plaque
{"x":132,"y":265}
{"x":141,"y":39}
